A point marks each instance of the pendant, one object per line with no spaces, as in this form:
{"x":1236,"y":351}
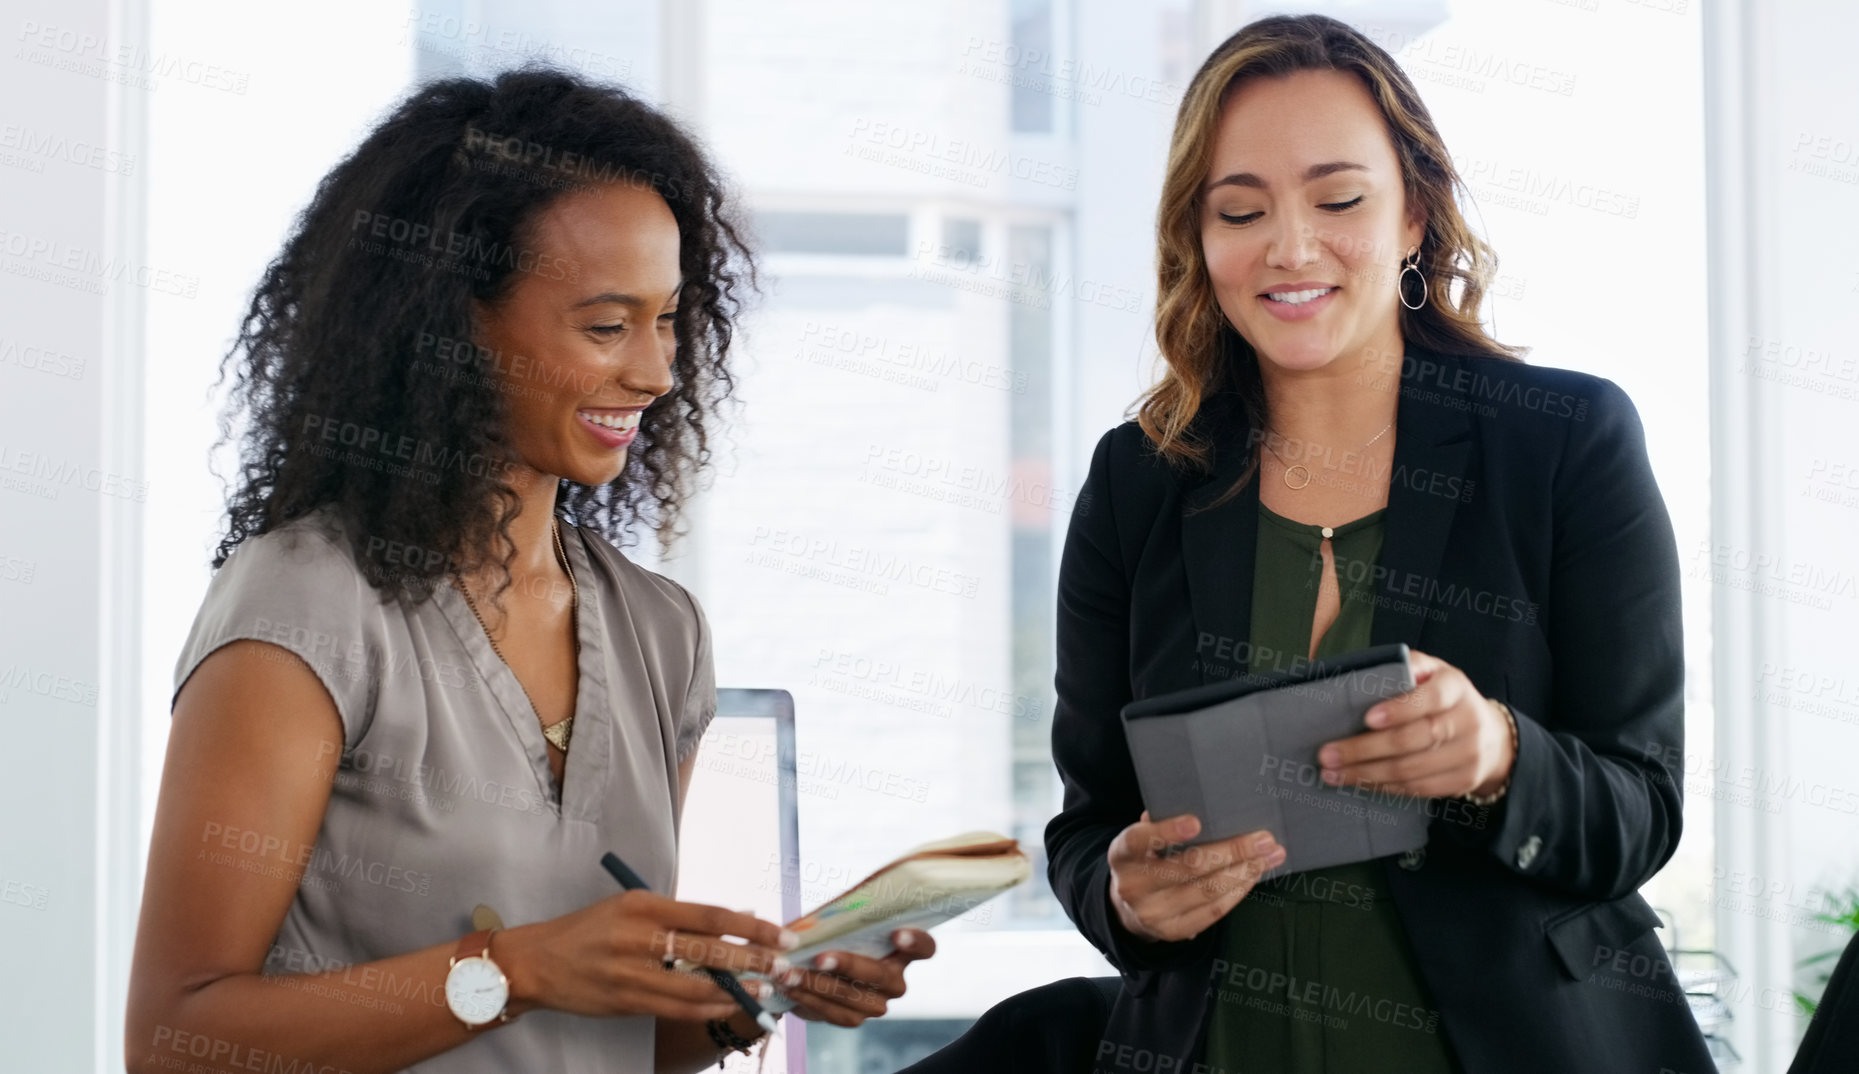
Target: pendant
{"x":557,"y":733}
{"x":1300,"y":468}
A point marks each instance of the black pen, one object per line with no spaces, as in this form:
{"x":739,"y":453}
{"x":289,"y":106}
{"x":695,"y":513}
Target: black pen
{"x":724,"y":979}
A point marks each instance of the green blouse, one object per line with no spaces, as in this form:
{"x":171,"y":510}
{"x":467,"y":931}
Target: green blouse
{"x":1318,"y":977}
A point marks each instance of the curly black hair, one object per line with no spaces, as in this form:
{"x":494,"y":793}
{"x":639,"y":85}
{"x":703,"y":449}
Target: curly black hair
{"x":355,"y":360}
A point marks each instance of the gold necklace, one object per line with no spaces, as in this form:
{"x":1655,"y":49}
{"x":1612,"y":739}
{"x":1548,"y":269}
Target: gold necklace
{"x":1306,"y":470}
{"x":558,"y":732}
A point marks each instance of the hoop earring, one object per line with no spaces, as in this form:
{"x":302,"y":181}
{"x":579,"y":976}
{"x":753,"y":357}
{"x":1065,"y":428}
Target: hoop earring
{"x":1413,"y":266}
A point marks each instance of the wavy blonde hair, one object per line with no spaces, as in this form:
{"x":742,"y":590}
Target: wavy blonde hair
{"x":1202,"y":352}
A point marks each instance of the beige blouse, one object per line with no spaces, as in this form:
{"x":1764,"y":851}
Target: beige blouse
{"x":443,"y":798}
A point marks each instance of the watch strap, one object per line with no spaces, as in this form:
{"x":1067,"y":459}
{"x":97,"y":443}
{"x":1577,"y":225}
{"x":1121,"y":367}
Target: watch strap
{"x":477,"y":943}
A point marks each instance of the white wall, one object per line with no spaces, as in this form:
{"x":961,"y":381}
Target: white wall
{"x":1783,"y":131}
{"x":71,"y":497}
{"x":227,"y":171}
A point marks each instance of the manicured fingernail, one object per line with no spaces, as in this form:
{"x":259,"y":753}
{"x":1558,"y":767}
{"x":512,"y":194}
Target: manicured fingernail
{"x":790,"y":978}
{"x":1276,"y":857}
{"x":906,"y":939}
{"x":788,"y":941}
{"x":828,"y":963}
{"x":1187,"y":826}
{"x":1261,"y":841}
{"x":759,"y":989}
{"x":781,"y":965}
{"x":1377,"y":717}
{"x":1330,"y":756}
{"x":1332,"y":776}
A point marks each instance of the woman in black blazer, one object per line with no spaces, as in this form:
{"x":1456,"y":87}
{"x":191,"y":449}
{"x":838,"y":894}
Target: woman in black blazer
{"x":1318,"y":312}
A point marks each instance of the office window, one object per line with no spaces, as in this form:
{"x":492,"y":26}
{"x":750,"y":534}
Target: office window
{"x":858,"y":234}
{"x":1030,"y":444}
{"x":961,"y":239}
{"x":1029,"y":64}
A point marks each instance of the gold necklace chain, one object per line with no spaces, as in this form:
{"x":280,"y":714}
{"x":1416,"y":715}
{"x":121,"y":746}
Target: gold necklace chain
{"x":559,"y":732}
{"x":1300,"y":466}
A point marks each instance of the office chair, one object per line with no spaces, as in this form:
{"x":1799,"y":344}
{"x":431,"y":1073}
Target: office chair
{"x":1831,"y":1045}
{"x":1055,"y":1027}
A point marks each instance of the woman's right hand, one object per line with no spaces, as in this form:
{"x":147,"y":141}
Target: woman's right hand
{"x":1175,"y":897}
{"x":608,"y":958}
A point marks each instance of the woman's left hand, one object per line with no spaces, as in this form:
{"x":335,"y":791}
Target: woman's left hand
{"x":1442,"y":739}
{"x":845,"y":989}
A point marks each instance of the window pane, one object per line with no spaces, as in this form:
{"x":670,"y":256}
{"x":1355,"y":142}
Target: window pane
{"x":864,"y":234}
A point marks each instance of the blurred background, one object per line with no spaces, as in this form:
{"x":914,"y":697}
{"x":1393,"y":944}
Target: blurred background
{"x":954,"y":208}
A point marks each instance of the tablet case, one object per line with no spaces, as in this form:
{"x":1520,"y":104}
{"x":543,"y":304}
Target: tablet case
{"x":1242,"y":755}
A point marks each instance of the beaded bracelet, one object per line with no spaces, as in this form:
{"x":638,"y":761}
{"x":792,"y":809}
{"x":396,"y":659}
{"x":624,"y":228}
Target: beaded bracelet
{"x":1491,"y":799}
{"x":726,"y":1038}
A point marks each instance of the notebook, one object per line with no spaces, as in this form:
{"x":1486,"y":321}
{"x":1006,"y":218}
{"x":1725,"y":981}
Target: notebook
{"x":929,"y":885}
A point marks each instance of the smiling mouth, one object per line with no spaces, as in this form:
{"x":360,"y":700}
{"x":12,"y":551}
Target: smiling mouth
{"x":619,"y":422}
{"x":1298,"y":298}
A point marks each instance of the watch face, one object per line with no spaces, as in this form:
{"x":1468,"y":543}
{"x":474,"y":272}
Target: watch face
{"x":476,"y":990}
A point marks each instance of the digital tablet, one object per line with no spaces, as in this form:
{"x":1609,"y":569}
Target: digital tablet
{"x":1242,"y":755}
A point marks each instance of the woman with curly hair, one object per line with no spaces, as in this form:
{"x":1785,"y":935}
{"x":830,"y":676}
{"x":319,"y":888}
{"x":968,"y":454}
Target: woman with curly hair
{"x":425,"y":691}
{"x":1338,"y":456}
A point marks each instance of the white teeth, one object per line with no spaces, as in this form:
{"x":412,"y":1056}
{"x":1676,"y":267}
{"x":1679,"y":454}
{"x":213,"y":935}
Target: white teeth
{"x":628,"y":420}
{"x":1298,"y":298}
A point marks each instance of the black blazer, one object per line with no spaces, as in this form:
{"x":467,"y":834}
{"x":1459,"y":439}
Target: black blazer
{"x":1527,"y":544}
